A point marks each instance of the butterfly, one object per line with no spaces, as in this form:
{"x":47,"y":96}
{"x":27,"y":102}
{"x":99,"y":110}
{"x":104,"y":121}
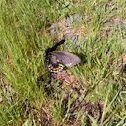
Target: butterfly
{"x":57,"y":60}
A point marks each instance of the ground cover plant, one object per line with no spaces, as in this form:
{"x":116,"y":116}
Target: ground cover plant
{"x":96,"y":93}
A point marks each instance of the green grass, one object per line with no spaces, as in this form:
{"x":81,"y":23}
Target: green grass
{"x":22,"y":53}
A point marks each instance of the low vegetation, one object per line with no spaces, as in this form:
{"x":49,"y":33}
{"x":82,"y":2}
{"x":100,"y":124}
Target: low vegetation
{"x":28,"y":97}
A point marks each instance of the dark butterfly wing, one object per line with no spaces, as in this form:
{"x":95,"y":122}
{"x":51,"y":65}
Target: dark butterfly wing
{"x":66,"y":58}
{"x":53,"y":64}
{"x":54,"y":47}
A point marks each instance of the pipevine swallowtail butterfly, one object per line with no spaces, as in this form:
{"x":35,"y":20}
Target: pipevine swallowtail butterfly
{"x":57,"y":60}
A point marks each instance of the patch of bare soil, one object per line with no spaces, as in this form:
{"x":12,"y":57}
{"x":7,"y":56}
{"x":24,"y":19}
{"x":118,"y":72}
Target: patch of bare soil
{"x":70,"y":27}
